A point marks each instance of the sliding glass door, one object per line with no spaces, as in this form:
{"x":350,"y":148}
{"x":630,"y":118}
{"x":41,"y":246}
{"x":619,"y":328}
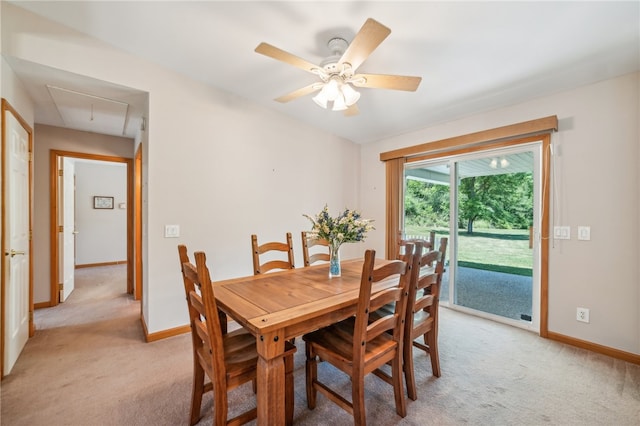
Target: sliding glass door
{"x":488,"y":205}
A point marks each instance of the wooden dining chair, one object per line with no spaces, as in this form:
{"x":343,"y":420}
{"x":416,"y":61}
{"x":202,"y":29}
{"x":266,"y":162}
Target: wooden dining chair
{"x":229,"y":359}
{"x":258,"y":250}
{"x":422,"y":313}
{"x":422,"y":310}
{"x":358,"y":347}
{"x":309,"y":242}
{"x":422,"y":318}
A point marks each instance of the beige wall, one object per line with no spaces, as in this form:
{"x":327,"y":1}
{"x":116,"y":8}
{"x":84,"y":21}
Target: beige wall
{"x":56,"y":138}
{"x":101,"y":233}
{"x":596,"y":183}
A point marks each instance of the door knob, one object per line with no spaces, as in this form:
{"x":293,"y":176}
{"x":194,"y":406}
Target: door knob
{"x":14,"y":252}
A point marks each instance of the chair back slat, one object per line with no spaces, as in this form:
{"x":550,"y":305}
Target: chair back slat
{"x":196,"y":301}
{"x":381,"y":325}
{"x":272,"y":246}
{"x":274,"y":264}
{"x":383,"y":298}
{"x":422,"y":303}
{"x":201,"y":329}
{"x":390,"y":269}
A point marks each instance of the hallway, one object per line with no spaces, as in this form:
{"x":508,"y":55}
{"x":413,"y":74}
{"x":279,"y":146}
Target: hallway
{"x":100,"y":293}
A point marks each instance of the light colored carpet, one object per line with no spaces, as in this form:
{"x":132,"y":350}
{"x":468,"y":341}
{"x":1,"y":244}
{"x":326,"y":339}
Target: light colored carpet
{"x":88,"y":365}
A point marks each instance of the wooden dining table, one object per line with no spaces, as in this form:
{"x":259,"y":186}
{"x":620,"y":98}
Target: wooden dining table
{"x":279,"y":306}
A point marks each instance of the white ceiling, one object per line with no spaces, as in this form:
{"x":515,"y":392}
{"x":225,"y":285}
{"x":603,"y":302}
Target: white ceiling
{"x":472,"y":56}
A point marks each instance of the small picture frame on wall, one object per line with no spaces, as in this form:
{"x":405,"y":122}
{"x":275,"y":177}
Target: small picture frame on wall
{"x":100,"y":202}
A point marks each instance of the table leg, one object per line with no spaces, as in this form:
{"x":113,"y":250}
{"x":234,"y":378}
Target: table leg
{"x":271,"y":383}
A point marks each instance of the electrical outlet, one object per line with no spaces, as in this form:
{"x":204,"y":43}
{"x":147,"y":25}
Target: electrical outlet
{"x":582,"y":314}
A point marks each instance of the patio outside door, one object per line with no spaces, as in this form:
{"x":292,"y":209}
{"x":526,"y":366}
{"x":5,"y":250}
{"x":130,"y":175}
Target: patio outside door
{"x":488,"y":205}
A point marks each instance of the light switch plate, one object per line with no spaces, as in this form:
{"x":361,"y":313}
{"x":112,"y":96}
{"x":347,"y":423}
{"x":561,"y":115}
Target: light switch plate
{"x":171,"y":231}
{"x":584,"y":233}
{"x":562,"y":232}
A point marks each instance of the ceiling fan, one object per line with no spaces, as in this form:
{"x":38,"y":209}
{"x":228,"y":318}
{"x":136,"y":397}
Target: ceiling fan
{"x":337,"y":72}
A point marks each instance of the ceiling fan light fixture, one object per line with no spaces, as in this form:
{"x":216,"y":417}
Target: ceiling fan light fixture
{"x":332,"y":89}
{"x":342,"y":95}
{"x":351,"y":95}
{"x":321,"y":99}
{"x":339,"y":103}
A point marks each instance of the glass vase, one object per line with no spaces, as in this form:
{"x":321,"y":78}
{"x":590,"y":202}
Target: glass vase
{"x":334,"y":261}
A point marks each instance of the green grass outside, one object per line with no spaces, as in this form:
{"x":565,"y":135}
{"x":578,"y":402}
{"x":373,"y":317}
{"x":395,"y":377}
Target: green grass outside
{"x":500,"y":250}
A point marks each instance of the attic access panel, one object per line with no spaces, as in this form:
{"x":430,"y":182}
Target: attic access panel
{"x":89,"y":112}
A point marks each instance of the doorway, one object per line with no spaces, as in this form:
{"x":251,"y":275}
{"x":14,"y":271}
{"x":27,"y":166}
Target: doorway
{"x":488,"y":203}
{"x":57,"y":229}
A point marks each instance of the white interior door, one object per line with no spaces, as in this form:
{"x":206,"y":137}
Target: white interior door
{"x":16,"y":237}
{"x":67,"y":260}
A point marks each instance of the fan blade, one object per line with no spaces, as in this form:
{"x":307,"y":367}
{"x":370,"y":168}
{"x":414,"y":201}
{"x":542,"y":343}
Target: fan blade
{"x":368,"y":38}
{"x":280,"y":55}
{"x":351,"y":111}
{"x":300,"y":92}
{"x":381,"y":81}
